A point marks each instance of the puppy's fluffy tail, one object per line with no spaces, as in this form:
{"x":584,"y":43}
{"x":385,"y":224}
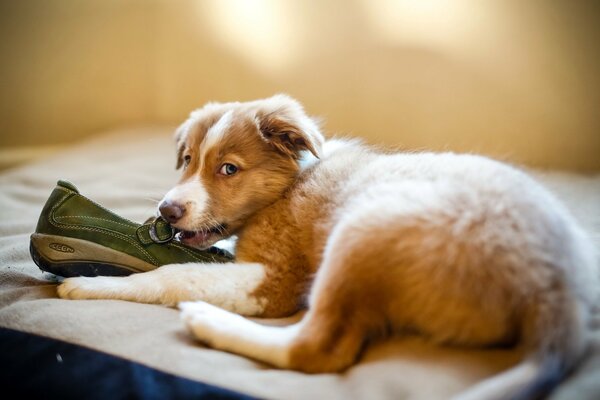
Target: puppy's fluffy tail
{"x":554,"y":334}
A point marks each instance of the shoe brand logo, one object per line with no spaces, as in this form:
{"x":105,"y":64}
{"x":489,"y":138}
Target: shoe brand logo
{"x":63,"y":248}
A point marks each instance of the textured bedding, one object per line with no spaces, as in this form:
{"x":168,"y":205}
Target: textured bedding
{"x":128,"y":171}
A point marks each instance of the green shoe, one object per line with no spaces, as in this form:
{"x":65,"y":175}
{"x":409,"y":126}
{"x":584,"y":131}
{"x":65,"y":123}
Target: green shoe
{"x":75,"y":236}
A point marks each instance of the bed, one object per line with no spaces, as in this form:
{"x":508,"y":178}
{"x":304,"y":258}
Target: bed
{"x":107,"y":348}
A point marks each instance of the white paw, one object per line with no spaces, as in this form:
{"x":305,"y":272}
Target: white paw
{"x":209,"y":324}
{"x":85,"y":288}
{"x":230,"y":332}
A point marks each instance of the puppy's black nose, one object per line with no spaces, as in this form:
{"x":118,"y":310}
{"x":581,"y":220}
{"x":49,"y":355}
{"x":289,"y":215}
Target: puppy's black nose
{"x":171,"y":212}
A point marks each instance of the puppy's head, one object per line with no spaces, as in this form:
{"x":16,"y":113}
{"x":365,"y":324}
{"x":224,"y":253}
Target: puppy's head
{"x":237,"y":158}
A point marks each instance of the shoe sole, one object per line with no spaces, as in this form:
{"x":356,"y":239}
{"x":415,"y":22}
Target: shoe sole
{"x":69,"y":257}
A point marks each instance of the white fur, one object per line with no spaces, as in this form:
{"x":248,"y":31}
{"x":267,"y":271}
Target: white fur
{"x":230,"y":332}
{"x":225,"y":285}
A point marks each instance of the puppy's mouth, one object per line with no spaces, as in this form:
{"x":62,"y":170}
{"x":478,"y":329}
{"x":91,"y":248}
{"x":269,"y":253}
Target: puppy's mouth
{"x":202,"y":238}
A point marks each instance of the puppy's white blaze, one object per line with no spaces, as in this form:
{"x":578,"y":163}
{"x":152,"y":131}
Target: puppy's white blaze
{"x":214,"y":135}
{"x":230,"y":332}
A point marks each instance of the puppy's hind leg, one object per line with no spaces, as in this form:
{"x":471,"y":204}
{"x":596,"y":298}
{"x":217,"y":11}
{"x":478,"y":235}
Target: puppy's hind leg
{"x":328,"y":339}
{"x":229,"y":286}
{"x":314,"y":344}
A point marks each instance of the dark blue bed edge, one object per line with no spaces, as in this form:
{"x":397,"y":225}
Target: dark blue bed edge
{"x":34,"y":366}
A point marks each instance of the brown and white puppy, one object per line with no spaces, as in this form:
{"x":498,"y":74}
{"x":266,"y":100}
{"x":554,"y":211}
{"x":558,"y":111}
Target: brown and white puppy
{"x":460,"y":248}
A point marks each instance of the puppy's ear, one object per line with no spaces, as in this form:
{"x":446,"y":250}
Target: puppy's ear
{"x":283,"y":123}
{"x":180,"y":138}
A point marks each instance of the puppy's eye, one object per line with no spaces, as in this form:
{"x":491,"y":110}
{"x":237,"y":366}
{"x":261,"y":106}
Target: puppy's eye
{"x":228,"y":169}
{"x":186,"y":160}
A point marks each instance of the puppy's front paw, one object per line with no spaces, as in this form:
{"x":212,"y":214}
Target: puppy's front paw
{"x":86,"y":288}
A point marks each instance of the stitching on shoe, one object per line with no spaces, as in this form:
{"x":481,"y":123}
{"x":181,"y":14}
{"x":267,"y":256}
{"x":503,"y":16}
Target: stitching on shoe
{"x":125,"y":238}
{"x":91,"y":201}
{"x":189,"y":252}
{"x":140,"y":235}
{"x":102,"y":207}
{"x":97,"y":218}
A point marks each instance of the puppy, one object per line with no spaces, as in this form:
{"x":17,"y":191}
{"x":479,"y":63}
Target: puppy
{"x":459,"y":248}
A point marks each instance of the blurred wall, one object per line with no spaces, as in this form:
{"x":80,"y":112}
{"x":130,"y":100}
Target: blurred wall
{"x":70,"y":68}
{"x":517,"y":80}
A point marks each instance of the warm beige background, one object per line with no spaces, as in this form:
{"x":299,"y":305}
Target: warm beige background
{"x":518,"y":80}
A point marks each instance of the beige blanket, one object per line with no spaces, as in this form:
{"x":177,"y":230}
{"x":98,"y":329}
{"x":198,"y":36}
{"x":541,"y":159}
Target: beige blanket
{"x":128,"y":171}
